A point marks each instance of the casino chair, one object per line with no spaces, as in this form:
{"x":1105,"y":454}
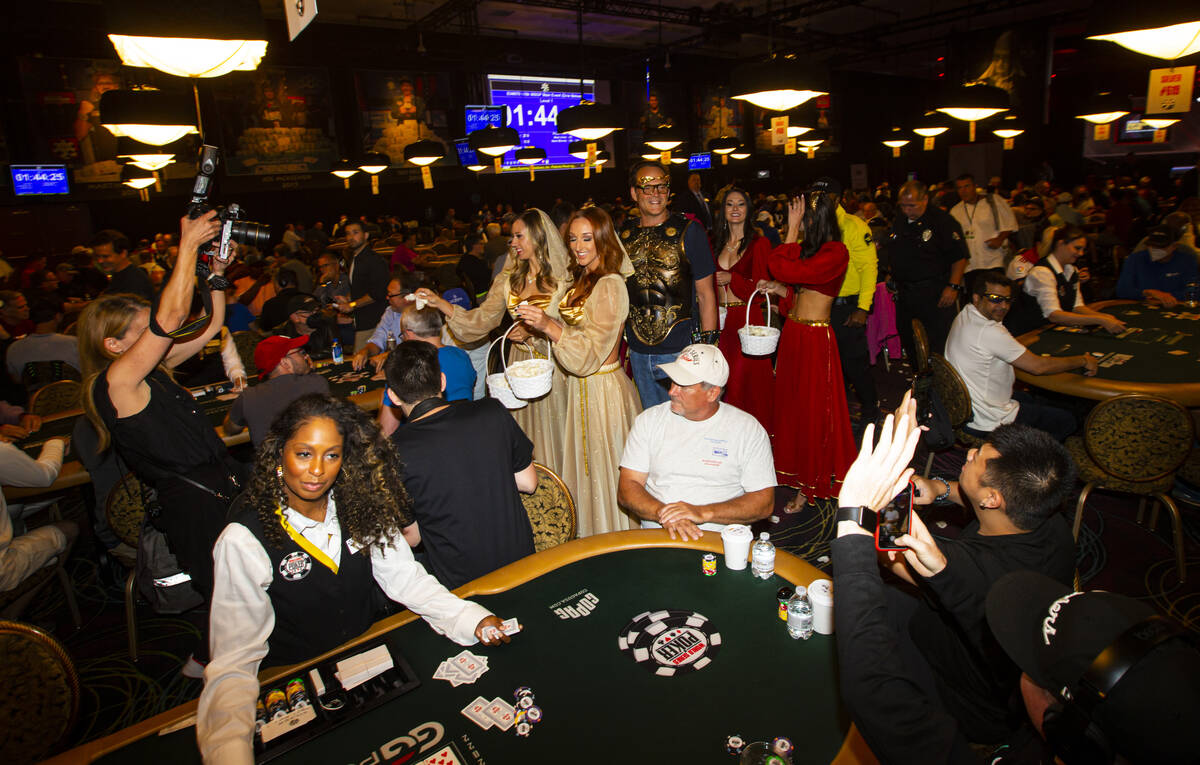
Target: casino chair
{"x":54,"y":398}
{"x":38,"y":374}
{"x":1136,"y":444}
{"x":955,"y":399}
{"x":14,"y":602}
{"x":39,"y":693}
{"x":124,"y":512}
{"x":920,"y":347}
{"x":551,"y":510}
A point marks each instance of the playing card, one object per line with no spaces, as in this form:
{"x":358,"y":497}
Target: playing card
{"x":444,"y":756}
{"x":475,"y":712}
{"x":510,"y":626}
{"x":500,"y":712}
{"x":469,"y":664}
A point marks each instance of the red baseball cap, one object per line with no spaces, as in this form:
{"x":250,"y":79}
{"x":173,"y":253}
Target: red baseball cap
{"x":270,"y":351}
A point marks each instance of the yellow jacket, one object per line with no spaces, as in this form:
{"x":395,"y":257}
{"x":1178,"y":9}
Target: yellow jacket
{"x":860,"y":274}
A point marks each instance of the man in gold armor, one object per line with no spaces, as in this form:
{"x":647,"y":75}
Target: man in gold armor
{"x":671,"y":296}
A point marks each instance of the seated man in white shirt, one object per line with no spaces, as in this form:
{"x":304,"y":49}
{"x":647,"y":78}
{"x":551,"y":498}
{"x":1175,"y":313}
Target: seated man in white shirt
{"x":694,"y":463}
{"x":21,"y":556}
{"x":1052,"y":291}
{"x":984,"y":354}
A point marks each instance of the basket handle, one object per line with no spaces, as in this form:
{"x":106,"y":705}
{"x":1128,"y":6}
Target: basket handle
{"x":504,"y":357}
{"x":750,"y":302}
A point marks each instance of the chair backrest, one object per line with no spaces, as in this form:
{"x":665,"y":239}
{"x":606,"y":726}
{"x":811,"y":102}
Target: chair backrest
{"x":125,"y":509}
{"x":1137,"y":437}
{"x":55,"y":397}
{"x":38,"y":374}
{"x":39,"y":687}
{"x":951,"y":390}
{"x":920,"y":346}
{"x":245,"y":341}
{"x":551,"y":510}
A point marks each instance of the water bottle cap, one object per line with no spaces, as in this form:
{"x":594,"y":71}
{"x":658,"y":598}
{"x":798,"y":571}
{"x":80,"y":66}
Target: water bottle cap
{"x":764,"y":536}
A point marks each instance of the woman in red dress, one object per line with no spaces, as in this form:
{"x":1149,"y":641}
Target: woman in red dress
{"x":813,"y":444}
{"x":741,"y":255}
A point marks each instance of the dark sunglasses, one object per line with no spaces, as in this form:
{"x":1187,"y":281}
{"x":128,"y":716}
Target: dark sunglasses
{"x":994,"y":298}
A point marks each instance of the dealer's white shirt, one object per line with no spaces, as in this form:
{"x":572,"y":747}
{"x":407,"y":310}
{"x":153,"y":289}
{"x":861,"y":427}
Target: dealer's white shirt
{"x":979,"y":225}
{"x":241,"y":619}
{"x":983,"y":352}
{"x":700,"y":463}
{"x":1043,"y":286}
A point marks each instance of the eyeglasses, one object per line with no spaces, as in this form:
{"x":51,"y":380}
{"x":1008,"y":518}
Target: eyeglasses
{"x":994,"y":298}
{"x":299,"y":351}
{"x":654,"y":189}
{"x":397,"y":294}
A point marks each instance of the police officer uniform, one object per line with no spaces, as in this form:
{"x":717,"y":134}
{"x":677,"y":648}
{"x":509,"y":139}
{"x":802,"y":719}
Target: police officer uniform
{"x":922,"y":253}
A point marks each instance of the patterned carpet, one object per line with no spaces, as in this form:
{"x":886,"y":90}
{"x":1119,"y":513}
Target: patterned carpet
{"x":1115,"y":553}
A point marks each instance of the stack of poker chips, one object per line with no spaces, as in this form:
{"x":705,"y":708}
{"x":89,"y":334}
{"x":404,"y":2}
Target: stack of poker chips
{"x":528,"y":713}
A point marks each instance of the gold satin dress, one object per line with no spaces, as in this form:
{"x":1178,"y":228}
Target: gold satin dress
{"x":601,"y":405}
{"x":541,"y":419}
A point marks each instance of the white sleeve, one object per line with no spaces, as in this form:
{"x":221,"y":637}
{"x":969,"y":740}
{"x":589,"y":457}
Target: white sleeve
{"x":758,"y":471}
{"x":1007,"y":221}
{"x":19,"y":469}
{"x":240,"y":621}
{"x":1040,"y":283}
{"x":636,"y":456}
{"x":230,"y":359}
{"x":408,"y":583}
{"x":998,"y":341}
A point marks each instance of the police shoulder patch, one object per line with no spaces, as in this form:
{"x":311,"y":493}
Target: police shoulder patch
{"x":955,"y":235}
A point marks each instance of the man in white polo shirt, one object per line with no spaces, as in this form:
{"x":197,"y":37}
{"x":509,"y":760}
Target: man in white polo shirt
{"x":983,"y":353}
{"x":694,"y":463}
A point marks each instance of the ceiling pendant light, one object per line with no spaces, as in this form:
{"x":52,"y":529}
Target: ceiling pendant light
{"x":588,"y":121}
{"x":1010,"y":127}
{"x":1104,"y":108}
{"x":740,"y":152}
{"x":930,"y":128}
{"x":795,"y":131}
{"x":973,"y":103}
{"x":678,"y":160}
{"x":147,"y":116}
{"x":778,"y":84}
{"x":896,"y":141}
{"x":723,"y":145}
{"x":530,"y":155}
{"x":494,"y":141}
{"x":664,"y":138}
{"x":374,"y":163}
{"x":1160,"y":121}
{"x":602,"y":156}
{"x":344,"y":169}
{"x":176,"y":38}
{"x":146,"y":156}
{"x":135,"y":177}
{"x":649,"y":152}
{"x":578,"y":149}
{"x":1162,"y":30}
{"x":424,"y":152}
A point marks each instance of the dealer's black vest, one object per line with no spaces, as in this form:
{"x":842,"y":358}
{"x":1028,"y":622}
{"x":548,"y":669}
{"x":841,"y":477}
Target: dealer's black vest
{"x":315,"y":609}
{"x":1026,"y":315}
{"x":660,"y":288}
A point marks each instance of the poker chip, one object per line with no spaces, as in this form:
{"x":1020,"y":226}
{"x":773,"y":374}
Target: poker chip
{"x":523,"y":729}
{"x":533,"y":714}
{"x":774,"y":759}
{"x":519,"y":717}
{"x":735,"y":744}
{"x":668,"y":642}
{"x":782,"y":746}
{"x":524,"y":690}
{"x":525,"y":702}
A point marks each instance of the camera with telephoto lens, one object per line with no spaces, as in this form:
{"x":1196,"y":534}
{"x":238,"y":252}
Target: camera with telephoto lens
{"x":233,"y":228}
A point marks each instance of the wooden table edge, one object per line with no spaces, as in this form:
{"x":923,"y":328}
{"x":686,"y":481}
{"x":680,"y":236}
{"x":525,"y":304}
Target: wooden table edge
{"x":788,"y":566}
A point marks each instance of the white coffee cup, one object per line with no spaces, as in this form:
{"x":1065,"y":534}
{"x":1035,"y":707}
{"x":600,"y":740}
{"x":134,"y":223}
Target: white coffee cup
{"x":820,"y":594}
{"x":736,"y":538}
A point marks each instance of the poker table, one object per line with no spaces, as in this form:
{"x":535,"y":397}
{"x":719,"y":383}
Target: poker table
{"x":215,"y":401}
{"x":599,"y":704}
{"x":1163,"y":346}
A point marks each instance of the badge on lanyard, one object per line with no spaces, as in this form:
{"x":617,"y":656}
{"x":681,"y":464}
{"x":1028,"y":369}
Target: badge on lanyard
{"x":926,"y":235}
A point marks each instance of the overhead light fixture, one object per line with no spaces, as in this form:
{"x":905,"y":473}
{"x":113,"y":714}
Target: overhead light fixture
{"x":1162,"y":30}
{"x":649,"y":152}
{"x":424,"y":152}
{"x":930,"y":131}
{"x":896,"y":141}
{"x":344,"y":169}
{"x":603,"y":156}
{"x":578,"y":149}
{"x":494,"y":142}
{"x":795,"y":131}
{"x":147,"y":116}
{"x":179,"y":39}
{"x":723,"y":145}
{"x":1160,"y":121}
{"x":588,"y":121}
{"x":664,"y":138}
{"x":1008,"y":132}
{"x":135,"y":177}
{"x":972,"y":103}
{"x":740,"y":152}
{"x":146,"y":156}
{"x":530,"y":156}
{"x":779,"y":84}
{"x":1104,"y":108}
{"x":1009,"y":128}
{"x":374,"y":162}
{"x":678,"y":160}
{"x":930,"y":128}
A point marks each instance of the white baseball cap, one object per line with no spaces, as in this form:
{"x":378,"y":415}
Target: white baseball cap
{"x":698,"y":363}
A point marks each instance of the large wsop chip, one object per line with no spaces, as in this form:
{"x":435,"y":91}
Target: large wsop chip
{"x":670,"y":642}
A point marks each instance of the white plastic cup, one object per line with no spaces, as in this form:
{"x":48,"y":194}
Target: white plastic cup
{"x":820,"y":594}
{"x":736,"y":538}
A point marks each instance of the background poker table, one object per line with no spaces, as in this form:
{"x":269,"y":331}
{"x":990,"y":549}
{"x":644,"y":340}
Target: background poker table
{"x":216,"y":403}
{"x":1153,"y":369}
{"x":599,"y":705}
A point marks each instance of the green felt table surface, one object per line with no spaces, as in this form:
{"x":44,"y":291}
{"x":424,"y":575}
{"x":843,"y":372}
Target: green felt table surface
{"x":599,"y":705}
{"x":1163,"y":333}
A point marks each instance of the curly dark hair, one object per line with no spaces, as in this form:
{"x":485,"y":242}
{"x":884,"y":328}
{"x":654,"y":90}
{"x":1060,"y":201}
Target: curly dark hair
{"x":372,"y":503}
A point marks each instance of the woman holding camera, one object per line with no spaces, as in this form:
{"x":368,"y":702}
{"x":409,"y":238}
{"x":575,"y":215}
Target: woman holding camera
{"x":128,"y":351}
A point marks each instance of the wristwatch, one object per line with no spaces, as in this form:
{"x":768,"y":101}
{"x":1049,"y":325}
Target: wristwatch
{"x":862,"y":515}
{"x":955,"y":287}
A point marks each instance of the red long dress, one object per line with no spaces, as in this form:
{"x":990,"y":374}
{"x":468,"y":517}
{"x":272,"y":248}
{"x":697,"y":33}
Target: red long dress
{"x":812,"y":441}
{"x":751,"y":385}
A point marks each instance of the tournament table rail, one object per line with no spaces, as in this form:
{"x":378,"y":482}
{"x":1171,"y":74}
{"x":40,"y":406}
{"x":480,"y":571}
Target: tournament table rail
{"x":1163,"y":345}
{"x":600,"y":705}
{"x":215,"y":407}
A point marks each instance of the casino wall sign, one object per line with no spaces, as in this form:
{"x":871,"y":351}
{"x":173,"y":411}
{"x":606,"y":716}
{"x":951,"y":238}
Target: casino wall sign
{"x":670,"y":642}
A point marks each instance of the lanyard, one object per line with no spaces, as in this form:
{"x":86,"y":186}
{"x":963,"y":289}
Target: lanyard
{"x":305,"y":544}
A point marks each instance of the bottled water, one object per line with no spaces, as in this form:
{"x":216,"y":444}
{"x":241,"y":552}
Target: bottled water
{"x":762,"y":557}
{"x":800,"y":615}
{"x":391,"y":342}
{"x":336,"y":350}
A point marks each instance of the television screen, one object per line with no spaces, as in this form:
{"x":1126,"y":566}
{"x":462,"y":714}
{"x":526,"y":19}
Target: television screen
{"x":40,"y":179}
{"x":1133,"y":130}
{"x":479,"y":117}
{"x":531,"y":106}
{"x":763,"y":174}
{"x":701,"y":161}
{"x":465,"y":155}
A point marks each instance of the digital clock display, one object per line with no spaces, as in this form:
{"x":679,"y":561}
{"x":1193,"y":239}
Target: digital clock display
{"x":39,"y":179}
{"x":531,"y":106}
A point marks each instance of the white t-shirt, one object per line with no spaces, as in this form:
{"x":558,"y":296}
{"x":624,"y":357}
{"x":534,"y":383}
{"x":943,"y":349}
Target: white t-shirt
{"x":979,"y":225}
{"x":700,"y":463}
{"x":1043,"y":286}
{"x":983,"y":352}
